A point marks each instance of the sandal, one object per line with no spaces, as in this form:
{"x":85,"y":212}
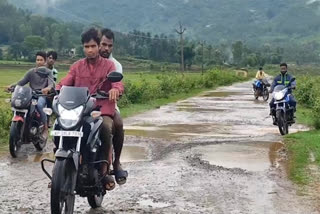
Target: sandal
{"x":108,"y":182}
{"x":121,"y":176}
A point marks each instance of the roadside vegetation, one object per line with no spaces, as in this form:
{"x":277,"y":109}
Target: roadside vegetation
{"x":304,"y":147}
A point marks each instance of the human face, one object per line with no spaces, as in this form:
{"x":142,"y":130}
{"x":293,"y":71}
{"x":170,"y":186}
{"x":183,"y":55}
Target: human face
{"x":106,"y":47}
{"x":50,"y":61}
{"x":40,"y":61}
{"x":283,"y":69}
{"x":91,"y":49}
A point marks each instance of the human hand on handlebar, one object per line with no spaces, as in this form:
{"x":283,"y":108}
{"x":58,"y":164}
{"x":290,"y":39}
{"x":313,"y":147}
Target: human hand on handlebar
{"x":46,"y":91}
{"x":9,"y":88}
{"x":114,"y":94}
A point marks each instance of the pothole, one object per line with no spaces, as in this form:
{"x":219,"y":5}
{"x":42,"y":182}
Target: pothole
{"x":134,"y":153}
{"x":256,"y":157}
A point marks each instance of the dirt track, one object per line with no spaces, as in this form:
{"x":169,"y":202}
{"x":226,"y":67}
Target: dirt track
{"x":214,"y":153}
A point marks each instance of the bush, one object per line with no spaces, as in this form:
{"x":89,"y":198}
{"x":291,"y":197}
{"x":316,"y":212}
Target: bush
{"x":5,"y":121}
{"x":308,"y":95}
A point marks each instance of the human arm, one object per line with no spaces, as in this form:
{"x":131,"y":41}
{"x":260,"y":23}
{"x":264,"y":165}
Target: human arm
{"x":273,"y":85}
{"x":25,"y":80}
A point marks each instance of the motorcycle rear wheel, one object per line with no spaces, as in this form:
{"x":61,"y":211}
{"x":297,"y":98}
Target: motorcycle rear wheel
{"x":95,"y":201}
{"x":40,"y":144}
{"x":61,"y":202}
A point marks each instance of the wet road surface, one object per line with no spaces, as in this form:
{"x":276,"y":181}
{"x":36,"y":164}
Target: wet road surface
{"x":214,"y":153}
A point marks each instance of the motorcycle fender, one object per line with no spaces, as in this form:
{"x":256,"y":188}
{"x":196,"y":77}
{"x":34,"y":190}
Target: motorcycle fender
{"x":17,"y":118}
{"x":95,"y":127}
{"x":68,"y":155}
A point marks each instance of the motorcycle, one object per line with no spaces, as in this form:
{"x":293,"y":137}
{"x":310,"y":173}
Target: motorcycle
{"x":78,"y":160}
{"x":26,"y":122}
{"x":260,"y":89}
{"x":284,"y":113}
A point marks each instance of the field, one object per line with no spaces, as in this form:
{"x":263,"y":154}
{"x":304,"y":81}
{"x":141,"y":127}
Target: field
{"x":144,"y":90}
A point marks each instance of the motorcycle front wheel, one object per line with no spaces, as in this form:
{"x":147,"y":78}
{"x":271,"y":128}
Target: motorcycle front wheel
{"x":62,"y":201}
{"x":265,"y":94}
{"x":256,"y":93}
{"x":282,"y":122}
{"x":15,"y":138}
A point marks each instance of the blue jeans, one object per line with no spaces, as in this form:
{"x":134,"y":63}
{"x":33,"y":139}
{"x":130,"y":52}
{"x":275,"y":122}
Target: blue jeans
{"x":42,"y":102}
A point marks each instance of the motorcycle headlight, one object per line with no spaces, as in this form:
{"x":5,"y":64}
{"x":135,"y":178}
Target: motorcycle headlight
{"x":279,"y":95}
{"x":69,"y":118}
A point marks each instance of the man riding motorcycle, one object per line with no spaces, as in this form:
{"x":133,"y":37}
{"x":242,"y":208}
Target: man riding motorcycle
{"x":260,"y":74}
{"x":91,"y":72}
{"x":283,"y":79}
{"x":38,"y":81}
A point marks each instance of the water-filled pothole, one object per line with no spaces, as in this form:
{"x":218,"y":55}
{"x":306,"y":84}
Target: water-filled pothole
{"x":250,"y":156}
{"x":134,"y":153}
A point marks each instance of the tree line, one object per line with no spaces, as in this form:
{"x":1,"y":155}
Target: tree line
{"x":22,"y":34}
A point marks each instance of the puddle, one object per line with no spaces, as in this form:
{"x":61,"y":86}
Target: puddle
{"x":174,"y":131}
{"x":199,"y":109}
{"x":220,"y":94}
{"x":134,"y":153}
{"x":129,"y":154}
{"x":251,"y":157}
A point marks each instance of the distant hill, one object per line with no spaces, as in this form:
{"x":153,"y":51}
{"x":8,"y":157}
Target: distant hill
{"x":213,"y":20}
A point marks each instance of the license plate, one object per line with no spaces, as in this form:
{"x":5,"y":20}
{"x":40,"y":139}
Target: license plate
{"x":66,"y":133}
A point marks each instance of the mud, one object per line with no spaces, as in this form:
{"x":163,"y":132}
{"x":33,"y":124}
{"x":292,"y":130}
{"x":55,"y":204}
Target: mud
{"x":214,"y":153}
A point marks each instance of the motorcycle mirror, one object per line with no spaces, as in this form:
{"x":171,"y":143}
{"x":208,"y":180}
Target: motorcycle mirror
{"x":114,"y":77}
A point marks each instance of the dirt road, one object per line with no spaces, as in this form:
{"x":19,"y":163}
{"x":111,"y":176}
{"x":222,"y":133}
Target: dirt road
{"x":214,"y":153}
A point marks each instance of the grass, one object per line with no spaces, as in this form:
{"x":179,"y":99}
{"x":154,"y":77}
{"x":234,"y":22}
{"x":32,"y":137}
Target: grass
{"x":300,"y":145}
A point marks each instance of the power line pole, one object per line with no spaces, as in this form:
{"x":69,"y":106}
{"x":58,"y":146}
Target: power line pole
{"x":180,"y":31}
{"x":202,"y":55}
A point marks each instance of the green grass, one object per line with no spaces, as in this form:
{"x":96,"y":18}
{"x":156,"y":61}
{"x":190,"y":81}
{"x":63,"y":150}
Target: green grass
{"x":304,"y":116}
{"x":299,"y":146}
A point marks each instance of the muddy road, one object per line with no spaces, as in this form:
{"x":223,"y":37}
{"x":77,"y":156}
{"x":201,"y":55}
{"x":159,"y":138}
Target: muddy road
{"x":214,"y":153}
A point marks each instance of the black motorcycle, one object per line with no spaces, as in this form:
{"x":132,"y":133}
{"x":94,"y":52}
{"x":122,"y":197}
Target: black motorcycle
{"x":78,"y":157}
{"x":26,"y":124}
{"x":260,"y":89}
{"x":284,"y":113}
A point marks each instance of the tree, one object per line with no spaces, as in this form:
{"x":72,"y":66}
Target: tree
{"x":188,"y":54}
{"x":16,"y":50}
{"x":33,"y":44}
{"x":237,"y":51}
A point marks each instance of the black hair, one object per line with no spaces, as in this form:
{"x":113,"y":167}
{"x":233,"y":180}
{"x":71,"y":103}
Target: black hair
{"x":92,"y":33}
{"x":107,"y":33}
{"x":53,"y":54}
{"x":260,"y":68}
{"x":43,"y":54}
{"x":284,"y":64}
